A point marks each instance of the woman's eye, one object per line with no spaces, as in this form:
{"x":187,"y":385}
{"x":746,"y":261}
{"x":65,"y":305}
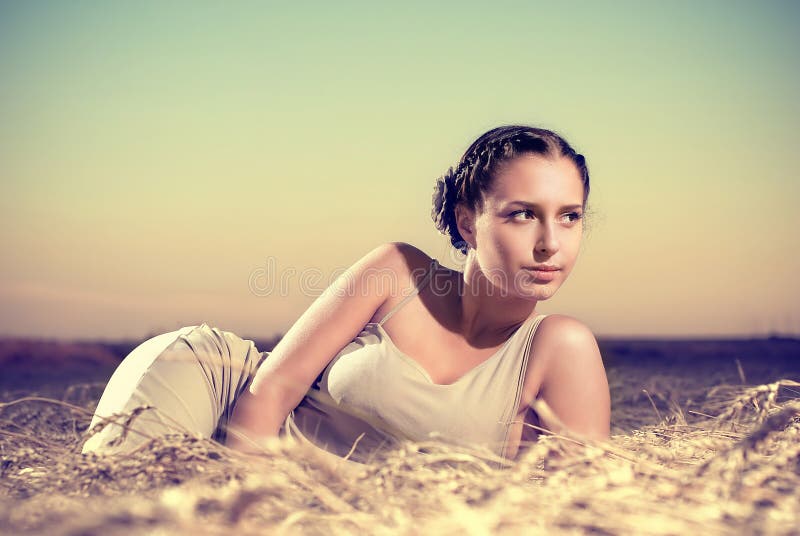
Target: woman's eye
{"x":571,"y":217}
{"x":518,"y":212}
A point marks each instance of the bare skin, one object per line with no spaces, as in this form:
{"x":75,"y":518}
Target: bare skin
{"x":462,"y":318}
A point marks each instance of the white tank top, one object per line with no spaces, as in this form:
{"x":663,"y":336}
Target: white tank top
{"x":372,"y":388}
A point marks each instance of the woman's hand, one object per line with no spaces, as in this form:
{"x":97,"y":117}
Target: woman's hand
{"x":256,"y":420}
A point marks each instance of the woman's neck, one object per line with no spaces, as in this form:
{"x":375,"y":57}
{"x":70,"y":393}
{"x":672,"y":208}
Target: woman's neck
{"x":483,"y":312}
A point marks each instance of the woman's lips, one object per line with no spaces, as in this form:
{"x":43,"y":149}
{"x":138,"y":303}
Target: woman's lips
{"x":543,"y":275}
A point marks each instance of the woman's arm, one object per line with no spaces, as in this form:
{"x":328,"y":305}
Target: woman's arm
{"x":574,"y":383}
{"x":333,"y":320}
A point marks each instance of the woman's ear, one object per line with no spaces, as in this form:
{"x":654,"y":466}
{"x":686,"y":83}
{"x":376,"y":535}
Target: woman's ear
{"x":465,"y":222}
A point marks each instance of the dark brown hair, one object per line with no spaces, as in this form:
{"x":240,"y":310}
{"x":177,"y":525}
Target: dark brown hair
{"x":473,"y":175}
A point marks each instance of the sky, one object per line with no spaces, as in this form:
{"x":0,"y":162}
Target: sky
{"x":156,"y":157}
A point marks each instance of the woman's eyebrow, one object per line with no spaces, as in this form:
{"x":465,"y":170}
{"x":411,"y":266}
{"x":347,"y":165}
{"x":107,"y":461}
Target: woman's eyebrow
{"x":535,"y":205}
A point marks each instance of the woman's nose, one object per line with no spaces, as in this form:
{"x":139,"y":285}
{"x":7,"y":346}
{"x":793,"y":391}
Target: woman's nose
{"x":548,"y":241}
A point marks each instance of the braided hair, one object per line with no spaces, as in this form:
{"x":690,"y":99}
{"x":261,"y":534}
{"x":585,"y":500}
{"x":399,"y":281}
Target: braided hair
{"x":473,"y":174}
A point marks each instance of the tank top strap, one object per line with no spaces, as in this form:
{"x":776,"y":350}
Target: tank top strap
{"x":416,"y":290}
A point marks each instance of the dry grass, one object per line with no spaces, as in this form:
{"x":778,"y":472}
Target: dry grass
{"x":730,"y":465}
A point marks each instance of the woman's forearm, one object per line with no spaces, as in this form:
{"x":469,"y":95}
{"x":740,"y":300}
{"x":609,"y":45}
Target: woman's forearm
{"x":259,"y":416}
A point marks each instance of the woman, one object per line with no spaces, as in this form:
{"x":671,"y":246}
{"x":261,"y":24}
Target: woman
{"x":453,"y":356}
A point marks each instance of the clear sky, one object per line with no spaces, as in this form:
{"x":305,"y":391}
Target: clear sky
{"x":154,"y":156}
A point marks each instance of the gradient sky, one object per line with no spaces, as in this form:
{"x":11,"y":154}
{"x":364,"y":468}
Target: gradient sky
{"x":155,"y":155}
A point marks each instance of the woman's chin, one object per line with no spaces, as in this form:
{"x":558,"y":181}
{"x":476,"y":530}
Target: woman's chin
{"x":538,"y":292}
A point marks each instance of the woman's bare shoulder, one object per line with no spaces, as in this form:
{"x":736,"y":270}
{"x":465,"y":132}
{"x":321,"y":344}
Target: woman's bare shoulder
{"x":556,"y":336}
{"x":407,"y":259}
{"x":565,"y":341}
{"x":559,"y":328}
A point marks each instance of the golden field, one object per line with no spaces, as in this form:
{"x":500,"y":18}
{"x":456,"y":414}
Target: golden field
{"x":705,"y":439}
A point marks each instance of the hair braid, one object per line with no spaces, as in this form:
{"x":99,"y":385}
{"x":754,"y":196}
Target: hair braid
{"x":474,"y":173}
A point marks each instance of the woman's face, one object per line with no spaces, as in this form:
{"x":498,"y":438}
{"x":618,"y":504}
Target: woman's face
{"x":532,"y":215}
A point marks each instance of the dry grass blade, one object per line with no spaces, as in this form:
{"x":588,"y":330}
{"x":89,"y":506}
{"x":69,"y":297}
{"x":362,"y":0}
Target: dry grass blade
{"x":738,"y":472}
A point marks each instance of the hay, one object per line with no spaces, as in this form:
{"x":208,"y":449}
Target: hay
{"x":730,"y":465}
